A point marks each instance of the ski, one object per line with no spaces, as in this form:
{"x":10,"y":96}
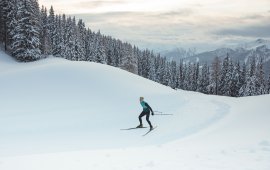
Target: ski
{"x":133,"y":128}
{"x":149,"y":131}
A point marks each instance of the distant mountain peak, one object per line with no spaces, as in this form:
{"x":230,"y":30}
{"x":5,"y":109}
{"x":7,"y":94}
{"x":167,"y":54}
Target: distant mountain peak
{"x":261,"y":41}
{"x":255,"y":44}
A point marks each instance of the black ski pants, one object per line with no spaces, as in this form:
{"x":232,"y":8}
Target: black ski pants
{"x":147,"y":113}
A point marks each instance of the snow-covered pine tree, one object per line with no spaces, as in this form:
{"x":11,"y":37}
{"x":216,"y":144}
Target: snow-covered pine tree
{"x":137,"y":54}
{"x":215,"y":75}
{"x":99,"y":53}
{"x":80,"y":41}
{"x":25,"y":38}
{"x":92,"y":46}
{"x":243,"y":77}
{"x":235,"y":83}
{"x":167,"y":74}
{"x":145,"y":63}
{"x":72,"y":38}
{"x":129,"y":62}
{"x":158,"y":67}
{"x":45,"y":41}
{"x":225,"y":77}
{"x":161,"y":70}
{"x":268,"y":85}
{"x":232,"y":80}
{"x":188,"y":77}
{"x":249,"y":88}
{"x":204,"y":79}
{"x":185,"y":74}
{"x":88,"y":45}
{"x":2,"y":21}
{"x":109,"y":44}
{"x":68,"y":48}
{"x":5,"y":9}
{"x":172,"y":80}
{"x":181,"y":74}
{"x":9,"y":22}
{"x":177,"y":74}
{"x":109,"y":56}
{"x":195,"y":76}
{"x":140,"y":63}
{"x":58,"y":39}
{"x":260,"y":80}
{"x":52,"y":31}
{"x":117,"y":53}
{"x":152,"y":71}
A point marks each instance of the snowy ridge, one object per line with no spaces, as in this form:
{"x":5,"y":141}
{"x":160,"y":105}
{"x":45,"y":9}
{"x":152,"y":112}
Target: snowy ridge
{"x":57,"y":114}
{"x":255,"y":44}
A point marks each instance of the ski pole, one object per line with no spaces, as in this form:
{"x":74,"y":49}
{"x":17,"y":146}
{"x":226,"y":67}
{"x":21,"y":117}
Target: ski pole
{"x":162,"y":114}
{"x":158,"y":111}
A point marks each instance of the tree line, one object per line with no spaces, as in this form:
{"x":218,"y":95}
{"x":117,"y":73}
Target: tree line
{"x":30,"y":33}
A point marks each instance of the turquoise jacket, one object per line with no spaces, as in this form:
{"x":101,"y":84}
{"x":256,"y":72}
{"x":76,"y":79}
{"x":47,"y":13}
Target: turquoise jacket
{"x":146,"y":107}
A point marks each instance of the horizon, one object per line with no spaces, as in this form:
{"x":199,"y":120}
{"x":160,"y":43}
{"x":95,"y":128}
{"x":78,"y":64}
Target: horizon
{"x":160,"y":25}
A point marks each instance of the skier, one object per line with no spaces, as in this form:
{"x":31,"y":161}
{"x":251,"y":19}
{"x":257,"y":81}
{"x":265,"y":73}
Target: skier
{"x":146,"y":111}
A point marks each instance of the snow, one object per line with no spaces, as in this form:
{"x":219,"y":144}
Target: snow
{"x":57,"y":114}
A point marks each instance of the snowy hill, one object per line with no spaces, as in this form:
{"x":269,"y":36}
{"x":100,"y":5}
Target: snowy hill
{"x":57,"y":114}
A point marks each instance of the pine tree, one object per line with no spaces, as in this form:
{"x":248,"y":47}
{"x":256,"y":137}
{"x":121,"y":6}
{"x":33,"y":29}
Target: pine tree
{"x":204,"y":79}
{"x":260,"y":81}
{"x":129,"y":62}
{"x":52,"y":31}
{"x":249,"y":88}
{"x":80,"y":45}
{"x":268,"y":84}
{"x":158,"y":67}
{"x":181,"y":75}
{"x":215,"y":75}
{"x":188,"y":77}
{"x":161,"y":70}
{"x":225,"y":77}
{"x":99,"y":53}
{"x":145,"y":63}
{"x":45,"y":46}
{"x":167,"y":74}
{"x":243,"y":77}
{"x":172,"y":80}
{"x":25,"y":39}
{"x":152,"y":72}
{"x":5,"y":6}
{"x":195,"y":76}
{"x":235,"y":84}
{"x":59,"y":46}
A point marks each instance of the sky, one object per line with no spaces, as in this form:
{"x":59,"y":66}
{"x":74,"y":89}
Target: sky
{"x":166,"y":24}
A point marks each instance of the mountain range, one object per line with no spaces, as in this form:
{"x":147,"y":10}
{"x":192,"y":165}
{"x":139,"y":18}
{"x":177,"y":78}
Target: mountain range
{"x":241,"y":53}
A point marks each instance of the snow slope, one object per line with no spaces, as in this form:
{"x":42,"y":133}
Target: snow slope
{"x":58,"y":114}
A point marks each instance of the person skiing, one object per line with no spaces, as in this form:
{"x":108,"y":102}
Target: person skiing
{"x":146,"y":111}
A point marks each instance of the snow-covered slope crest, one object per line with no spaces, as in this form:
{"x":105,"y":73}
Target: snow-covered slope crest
{"x":57,"y":114}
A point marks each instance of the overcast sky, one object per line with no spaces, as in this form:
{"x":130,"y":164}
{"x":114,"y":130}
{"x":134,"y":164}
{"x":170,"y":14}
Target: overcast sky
{"x":166,"y":24}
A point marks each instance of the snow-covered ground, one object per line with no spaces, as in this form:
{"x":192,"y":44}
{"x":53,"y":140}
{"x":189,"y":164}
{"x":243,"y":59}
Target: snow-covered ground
{"x":61,"y":115}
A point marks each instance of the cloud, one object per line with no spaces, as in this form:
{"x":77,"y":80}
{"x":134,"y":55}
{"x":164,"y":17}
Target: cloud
{"x":255,"y":31}
{"x":96,"y":4}
{"x":179,"y":28}
{"x":179,"y":12}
